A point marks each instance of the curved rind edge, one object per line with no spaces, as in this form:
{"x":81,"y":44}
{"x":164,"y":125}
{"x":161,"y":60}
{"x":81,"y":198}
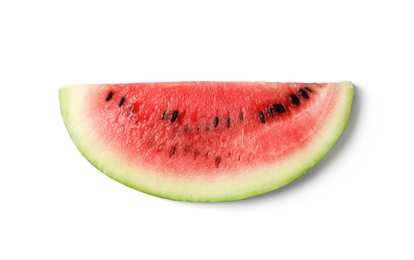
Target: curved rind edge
{"x":341,"y":122}
{"x":220,"y":190}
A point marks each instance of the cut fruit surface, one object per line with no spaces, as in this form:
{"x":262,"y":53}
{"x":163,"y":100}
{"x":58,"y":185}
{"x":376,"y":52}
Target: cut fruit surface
{"x":205,"y":141}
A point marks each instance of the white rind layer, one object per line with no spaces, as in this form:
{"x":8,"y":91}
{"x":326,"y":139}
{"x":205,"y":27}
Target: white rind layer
{"x":253,"y":181}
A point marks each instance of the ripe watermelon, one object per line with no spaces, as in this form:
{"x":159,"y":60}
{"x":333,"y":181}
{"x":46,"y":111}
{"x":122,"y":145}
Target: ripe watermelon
{"x":205,"y":141}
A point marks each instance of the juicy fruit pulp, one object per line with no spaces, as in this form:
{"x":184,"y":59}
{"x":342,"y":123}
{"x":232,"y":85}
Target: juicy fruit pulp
{"x":206,"y":141}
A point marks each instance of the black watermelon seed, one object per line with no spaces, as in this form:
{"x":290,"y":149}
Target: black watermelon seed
{"x":303,"y":93}
{"x":216,"y":121}
{"x":279,"y":108}
{"x":174,"y":116}
{"x":308,"y":89}
{"x":228,"y":122}
{"x":109,"y":96}
{"x":294,"y":99}
{"x":121,"y":102}
{"x":164,"y":115}
{"x":262,"y":117}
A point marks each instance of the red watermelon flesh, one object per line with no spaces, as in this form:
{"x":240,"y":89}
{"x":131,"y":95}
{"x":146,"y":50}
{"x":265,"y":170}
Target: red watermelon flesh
{"x":206,"y":141}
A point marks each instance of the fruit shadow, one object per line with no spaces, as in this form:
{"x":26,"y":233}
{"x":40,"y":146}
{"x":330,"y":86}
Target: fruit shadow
{"x":318,"y":169}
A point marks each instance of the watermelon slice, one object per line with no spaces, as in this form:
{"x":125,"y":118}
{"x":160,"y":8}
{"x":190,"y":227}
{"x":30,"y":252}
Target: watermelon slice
{"x":205,"y":141}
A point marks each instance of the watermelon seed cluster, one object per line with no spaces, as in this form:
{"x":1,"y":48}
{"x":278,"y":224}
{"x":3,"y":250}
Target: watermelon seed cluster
{"x":279,"y":108}
{"x":274,"y":108}
{"x":109,"y":97}
{"x":173,"y":118}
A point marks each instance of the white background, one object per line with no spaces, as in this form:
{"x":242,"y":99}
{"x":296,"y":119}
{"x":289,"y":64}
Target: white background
{"x":356,"y":204}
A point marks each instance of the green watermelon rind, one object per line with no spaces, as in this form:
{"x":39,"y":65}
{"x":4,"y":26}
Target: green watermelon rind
{"x":253,"y":182}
